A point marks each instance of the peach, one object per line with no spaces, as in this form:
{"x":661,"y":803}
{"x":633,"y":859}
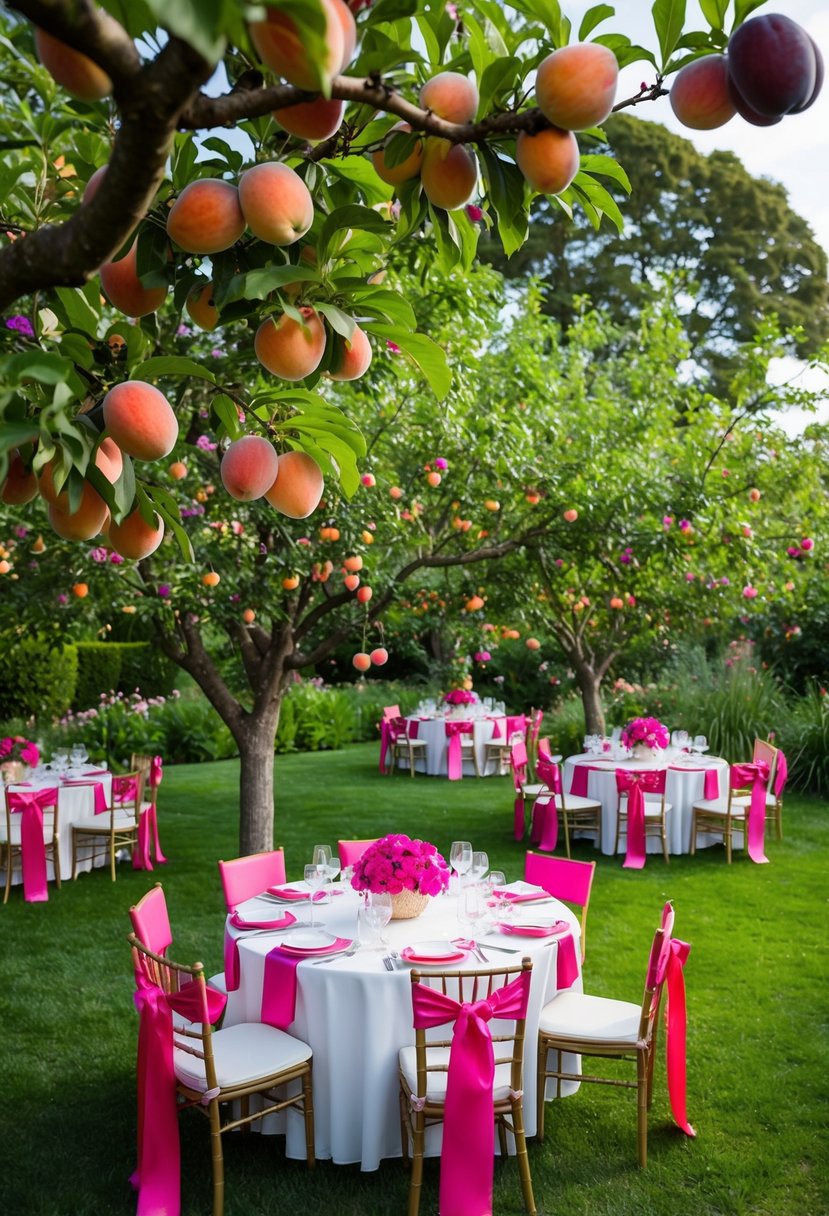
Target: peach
{"x":379,"y":656}
{"x":434,"y":479}
{"x":548,"y":160}
{"x":352,"y":358}
{"x":361,"y":661}
{"x":616,"y":602}
{"x":140,"y":420}
{"x":5,"y":566}
{"x":109,"y":460}
{"x":298,"y":486}
{"x":700,"y":96}
{"x":364,"y":594}
{"x":450,"y":95}
{"x":395,"y":492}
{"x":474,"y":603}
{"x":178,"y":470}
{"x":366,"y":538}
{"x":91,"y":187}
{"x":84,"y":523}
{"x":395,"y":175}
{"x":492,"y":504}
{"x":206,"y":217}
{"x":533,"y":497}
{"x":20,"y":485}
{"x":571,"y":515}
{"x":134,"y":537}
{"x":351,"y":582}
{"x":275,"y":202}
{"x":81,"y":590}
{"x":201,"y":308}
{"x":249,"y":468}
{"x":353,"y":563}
{"x":368,"y":479}
{"x":312,"y":120}
{"x":533,"y":644}
{"x":248,"y":616}
{"x":211,"y":579}
{"x":754,"y":494}
{"x":290,"y":583}
{"x":349,"y":28}
{"x":288,"y":349}
{"x":449,"y":174}
{"x":575,"y":87}
{"x":124,"y":289}
{"x":280,"y":45}
{"x":73,"y":71}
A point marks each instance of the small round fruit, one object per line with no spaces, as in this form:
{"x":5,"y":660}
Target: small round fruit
{"x":312,"y":120}
{"x":20,"y":485}
{"x":616,"y":602}
{"x":352,"y":358}
{"x":140,"y":420}
{"x":248,"y":616}
{"x":201,"y":309}
{"x":395,"y":175}
{"x":492,"y":504}
{"x":450,"y":95}
{"x":571,"y":515}
{"x":276,"y":203}
{"x":289,"y":349}
{"x":533,"y":644}
{"x":395,"y":492}
{"x":549,"y":159}
{"x":379,"y":656}
{"x":124,"y":289}
{"x":449,"y":173}
{"x":134,"y":537}
{"x":700,"y":96}
{"x":249,"y":468}
{"x":71,"y":69}
{"x":364,"y":594}
{"x":474,"y":603}
{"x":291,"y":582}
{"x":81,"y":590}
{"x":298,"y":487}
{"x":178,"y":470}
{"x":434,"y":479}
{"x":362,"y":661}
{"x":575,"y":87}
{"x":206,"y":217}
{"x":368,"y":479}
{"x":353,"y":563}
{"x":352,"y":582}
{"x":210,"y":579}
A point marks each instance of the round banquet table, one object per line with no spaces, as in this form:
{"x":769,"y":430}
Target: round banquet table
{"x":77,"y":802}
{"x":685,"y":785}
{"x":356,"y":1016}
{"x":433,"y":733}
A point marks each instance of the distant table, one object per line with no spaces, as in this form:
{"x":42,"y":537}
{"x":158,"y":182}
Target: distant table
{"x":685,"y":785}
{"x":433,"y":732}
{"x":77,"y":802}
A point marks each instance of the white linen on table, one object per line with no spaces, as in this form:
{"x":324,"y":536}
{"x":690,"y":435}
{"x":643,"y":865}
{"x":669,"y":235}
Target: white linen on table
{"x":683,"y":787}
{"x":356,"y":1016}
{"x":77,"y":802}
{"x":433,"y":733}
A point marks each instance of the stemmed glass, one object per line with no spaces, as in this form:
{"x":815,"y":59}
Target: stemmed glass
{"x":460,"y":858}
{"x":377,"y":912}
{"x":471,"y":909}
{"x":479,"y":867}
{"x":315,"y":876}
{"x":79,"y":755}
{"x":496,"y":882}
{"x":700,"y":744}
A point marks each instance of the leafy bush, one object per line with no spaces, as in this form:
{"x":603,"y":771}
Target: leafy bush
{"x":38,"y":678}
{"x":99,"y":669}
{"x":564,"y":727}
{"x":314,"y":718}
{"x":126,"y":667}
{"x":805,"y":740}
{"x":147,"y":669}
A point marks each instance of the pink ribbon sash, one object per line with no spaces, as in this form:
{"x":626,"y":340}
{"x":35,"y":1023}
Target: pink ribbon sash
{"x":711,"y":787}
{"x":454,"y":761}
{"x":545,"y":810}
{"x":633,"y":784}
{"x":279,"y":983}
{"x":468,"y":1155}
{"x":147,"y":838}
{"x":124,"y":789}
{"x":32,"y":845}
{"x":781,"y":775}
{"x":578,"y":785}
{"x":515,"y":724}
{"x":757,"y":776}
{"x":496,"y":728}
{"x":676,"y":1033}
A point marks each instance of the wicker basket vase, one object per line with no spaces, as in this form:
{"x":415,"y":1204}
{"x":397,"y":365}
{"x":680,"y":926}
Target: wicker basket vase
{"x":406,"y":905}
{"x":641,"y":751}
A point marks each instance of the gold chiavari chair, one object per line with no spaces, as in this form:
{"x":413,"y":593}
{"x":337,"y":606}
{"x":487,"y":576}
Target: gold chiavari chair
{"x":114,"y":829}
{"x":11,"y":850}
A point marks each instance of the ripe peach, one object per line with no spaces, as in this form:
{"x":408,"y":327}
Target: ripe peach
{"x":291,"y":582}
{"x":548,"y":160}
{"x":700,"y":96}
{"x":353,"y":563}
{"x":367,"y":538}
{"x":362,"y":661}
{"x":329,"y":533}
{"x":178,"y":470}
{"x":575,"y":87}
{"x":352,"y":582}
{"x":349,"y":27}
{"x":73,"y":71}
{"x":772,"y":65}
{"x":379,"y":656}
{"x":201,"y":308}
{"x":20,"y":485}
{"x":434,"y":479}
{"x":450,"y":95}
{"x":248,"y":616}
{"x":124,"y":289}
{"x":368,"y":479}
{"x":571,"y":515}
{"x":492,"y":504}
{"x":81,"y":590}
{"x":280,"y":46}
{"x":109,"y":460}
{"x":5,"y":566}
{"x":275,"y":202}
{"x":754,"y":494}
{"x":91,"y":187}
{"x":395,"y":492}
{"x":533,"y":644}
{"x":206,"y":217}
{"x":312,"y":120}
{"x":249,"y":468}
{"x":474,"y":603}
{"x":352,"y":358}
{"x":395,"y":175}
{"x":288,"y":349}
{"x":298,"y":486}
{"x":364,"y":594}
{"x":533,"y":497}
{"x":211,"y":579}
{"x":84,"y":523}
{"x":140,"y":420}
{"x":134,"y":537}
{"x":449,"y":174}
{"x":616,"y":602}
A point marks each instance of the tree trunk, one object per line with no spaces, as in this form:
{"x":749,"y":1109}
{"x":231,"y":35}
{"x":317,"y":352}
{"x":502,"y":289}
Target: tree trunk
{"x":256,"y":804}
{"x":590,"y":686}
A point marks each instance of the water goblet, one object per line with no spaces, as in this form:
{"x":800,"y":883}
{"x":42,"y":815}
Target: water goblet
{"x":479,"y":867}
{"x":700,"y":744}
{"x":471,"y":910}
{"x":321,"y":855}
{"x":460,"y":858}
{"x":377,"y":913}
{"x":315,"y":876}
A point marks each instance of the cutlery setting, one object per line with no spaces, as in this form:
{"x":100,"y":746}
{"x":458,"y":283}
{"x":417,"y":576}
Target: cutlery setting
{"x":333,"y":958}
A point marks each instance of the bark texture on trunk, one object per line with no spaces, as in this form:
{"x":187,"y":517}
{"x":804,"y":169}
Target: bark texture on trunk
{"x":590,"y":686}
{"x":256,"y":802}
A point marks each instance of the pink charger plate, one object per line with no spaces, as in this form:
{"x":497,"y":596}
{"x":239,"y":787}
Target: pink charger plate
{"x":336,"y":947}
{"x":431,"y":960}
{"x":553,"y":930}
{"x":282,"y":922}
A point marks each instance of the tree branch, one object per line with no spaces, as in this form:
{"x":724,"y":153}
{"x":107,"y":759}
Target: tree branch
{"x":90,"y":30}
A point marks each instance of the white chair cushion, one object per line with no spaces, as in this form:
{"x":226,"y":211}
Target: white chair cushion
{"x":218,"y":982}
{"x":243,"y":1054}
{"x":745,"y":800}
{"x":436,"y":1081}
{"x":575,"y":802}
{"x":100,"y":823}
{"x":573,"y":1015}
{"x":713,"y":806}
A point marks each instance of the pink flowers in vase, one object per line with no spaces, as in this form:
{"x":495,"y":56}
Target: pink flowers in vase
{"x":397,"y":863}
{"x":460,"y":696}
{"x":648,"y":731}
{"x":16,"y":748}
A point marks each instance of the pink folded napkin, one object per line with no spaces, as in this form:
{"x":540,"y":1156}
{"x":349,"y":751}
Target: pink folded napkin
{"x":559,"y":926}
{"x":520,"y":897}
{"x":281,"y":922}
{"x":279,"y":984}
{"x":567,"y":967}
{"x":293,"y":893}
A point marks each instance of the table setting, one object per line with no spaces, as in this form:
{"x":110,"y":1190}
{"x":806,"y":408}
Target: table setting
{"x":440,"y":725}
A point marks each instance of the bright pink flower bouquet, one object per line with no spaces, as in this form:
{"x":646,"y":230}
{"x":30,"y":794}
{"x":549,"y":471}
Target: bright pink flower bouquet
{"x":460,"y":696}
{"x":15,"y":747}
{"x":649,"y":731}
{"x":397,"y":863}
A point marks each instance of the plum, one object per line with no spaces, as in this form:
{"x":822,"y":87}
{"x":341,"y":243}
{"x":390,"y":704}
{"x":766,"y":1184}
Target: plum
{"x":772,"y":65}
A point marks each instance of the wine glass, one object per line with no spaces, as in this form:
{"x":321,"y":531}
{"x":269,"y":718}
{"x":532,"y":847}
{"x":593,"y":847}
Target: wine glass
{"x":460,"y":857}
{"x":321,"y":855}
{"x":377,"y":912}
{"x":471,"y":910}
{"x":700,"y":744}
{"x":315,"y":876}
{"x":682,"y":739}
{"x":479,"y":867}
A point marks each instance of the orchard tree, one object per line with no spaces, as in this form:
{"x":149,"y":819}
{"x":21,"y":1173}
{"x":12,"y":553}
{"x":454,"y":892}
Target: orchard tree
{"x":352,"y":142}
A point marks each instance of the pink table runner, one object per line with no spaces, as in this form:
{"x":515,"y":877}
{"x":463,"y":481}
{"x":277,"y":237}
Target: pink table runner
{"x":279,"y":984}
{"x":580,"y":777}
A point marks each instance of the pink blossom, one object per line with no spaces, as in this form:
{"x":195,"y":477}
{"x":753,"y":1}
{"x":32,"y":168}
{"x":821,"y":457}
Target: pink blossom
{"x":793,"y":551}
{"x":749,"y":592}
{"x":689,"y":577}
{"x":685,"y":525}
{"x":206,"y":444}
{"x":115,"y":559}
{"x":649,"y":731}
{"x":392,"y":347}
{"x":667,"y":520}
{"x":474,"y":213}
{"x":482,"y":656}
{"x":807,"y":543}
{"x":396,"y":863}
{"x":440,"y":463}
{"x":98,"y":554}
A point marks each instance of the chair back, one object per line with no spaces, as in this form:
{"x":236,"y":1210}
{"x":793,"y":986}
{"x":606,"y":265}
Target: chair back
{"x":49,"y":803}
{"x":765,"y":752}
{"x":150,"y":921}
{"x":651,"y":781}
{"x":655,"y":977}
{"x":391,"y":711}
{"x":571,"y":881}
{"x":544,"y":748}
{"x":550,"y":773}
{"x":150,"y":769}
{"x":351,"y":851}
{"x":518,"y":766}
{"x":534,"y":725}
{"x":126,"y":792}
{"x":244,"y":877}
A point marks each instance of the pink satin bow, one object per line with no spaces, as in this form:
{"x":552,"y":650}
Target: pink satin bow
{"x":672,"y":966}
{"x":156,"y":772}
{"x":32,"y":845}
{"x":781,"y":775}
{"x":468,"y":1154}
{"x":757,"y":776}
{"x":633,"y":784}
{"x":545,"y":810}
{"x":454,"y":763}
{"x":124,"y":789}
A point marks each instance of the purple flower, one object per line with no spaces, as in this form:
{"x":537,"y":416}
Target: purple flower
{"x":206,"y":444}
{"x":685,"y":525}
{"x":63,"y":599}
{"x":482,"y":656}
{"x":115,"y":559}
{"x":440,"y":463}
{"x":21,"y":325}
{"x":99,"y":554}
{"x":164,"y":590}
{"x":216,"y":353}
{"x":667,"y":520}
{"x":196,"y":509}
{"x":183,"y":331}
{"x":725,"y":581}
{"x":21,"y":532}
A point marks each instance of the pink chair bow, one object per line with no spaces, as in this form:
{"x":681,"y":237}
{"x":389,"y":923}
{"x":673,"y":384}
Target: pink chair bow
{"x":781,"y":775}
{"x":124,"y":789}
{"x":634,"y":784}
{"x":757,"y":776}
{"x":468,"y":1154}
{"x":156,"y":772}
{"x":148,"y":824}
{"x":31,"y":806}
{"x":454,"y":761}
{"x":545,"y":810}
{"x":157,"y":1176}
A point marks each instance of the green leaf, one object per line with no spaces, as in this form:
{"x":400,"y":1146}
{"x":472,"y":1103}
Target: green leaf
{"x":38,"y":365}
{"x":227,"y":413}
{"x":359,"y":171}
{"x":668,"y":21}
{"x":593,"y":17}
{"x":399,"y":146}
{"x":380,"y":302}
{"x":606,"y":166}
{"x":426,"y":355}
{"x":340,"y":321}
{"x":258,"y":284}
{"x":171,"y":521}
{"x":12,"y":434}
{"x":498,"y":79}
{"x":602,"y":200}
{"x":391,"y":10}
{"x":172,"y":365}
{"x":507,"y":193}
{"x":78,"y":309}
{"x":152,"y":256}
{"x":624,"y":50}
{"x":351,"y":216}
{"x":196,"y":22}
{"x":743,"y":9}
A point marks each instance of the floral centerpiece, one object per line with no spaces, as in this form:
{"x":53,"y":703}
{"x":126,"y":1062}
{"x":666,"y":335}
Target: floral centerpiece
{"x":460,"y":696}
{"x":410,"y":870}
{"x":646,"y":734}
{"x":15,"y":751}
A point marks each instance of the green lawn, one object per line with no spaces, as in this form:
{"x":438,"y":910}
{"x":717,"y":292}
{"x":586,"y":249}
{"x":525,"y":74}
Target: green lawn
{"x":757,"y":999}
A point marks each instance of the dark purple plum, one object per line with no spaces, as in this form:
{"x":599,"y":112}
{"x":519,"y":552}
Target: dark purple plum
{"x":745,"y":111}
{"x":772,"y":64}
{"x":818,"y":79}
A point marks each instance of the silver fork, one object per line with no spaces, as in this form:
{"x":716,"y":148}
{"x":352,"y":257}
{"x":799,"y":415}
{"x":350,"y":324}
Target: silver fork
{"x":352,"y":949}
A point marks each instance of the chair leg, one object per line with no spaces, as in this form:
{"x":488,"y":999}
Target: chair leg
{"x":56,"y":859}
{"x":502,"y":1139}
{"x":416,"y":1181}
{"x":778,"y":819}
{"x":9,"y":868}
{"x":74,"y":855}
{"x":217,"y":1158}
{"x":618,"y":830}
{"x":727,"y":834}
{"x":404,"y":1131}
{"x":693,"y":832}
{"x":522,"y":1158}
{"x":308,"y":1111}
{"x":664,"y":834}
{"x":112,"y":858}
{"x":540,"y":1086}
{"x":566,"y":832}
{"x":642,"y":1110}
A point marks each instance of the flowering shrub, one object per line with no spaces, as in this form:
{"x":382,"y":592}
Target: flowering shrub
{"x":397,"y":863}
{"x":460,"y":696}
{"x":15,"y":747}
{"x":649,"y":731}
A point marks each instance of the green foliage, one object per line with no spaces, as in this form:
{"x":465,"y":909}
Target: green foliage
{"x":145,"y":669}
{"x":38,"y":677}
{"x":105,"y":667}
{"x":314,"y":718}
{"x":804,"y":736}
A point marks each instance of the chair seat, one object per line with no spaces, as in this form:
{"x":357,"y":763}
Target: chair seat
{"x":218,"y":982}
{"x":436,"y":1081}
{"x":47,"y":833}
{"x":574,"y":1015}
{"x":745,"y":800}
{"x":534,"y":790}
{"x":653,"y":810}
{"x":711,"y":806}
{"x":99,"y":826}
{"x":415,"y":744}
{"x":243,"y":1054}
{"x":575,"y":802}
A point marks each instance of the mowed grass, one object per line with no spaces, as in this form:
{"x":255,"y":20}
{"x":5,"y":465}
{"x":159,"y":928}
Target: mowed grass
{"x":757,"y":1001}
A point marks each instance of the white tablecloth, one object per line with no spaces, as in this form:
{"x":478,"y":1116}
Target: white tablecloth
{"x":77,"y":802}
{"x":685,"y":785}
{"x":356,"y":1016}
{"x":433,"y":732}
